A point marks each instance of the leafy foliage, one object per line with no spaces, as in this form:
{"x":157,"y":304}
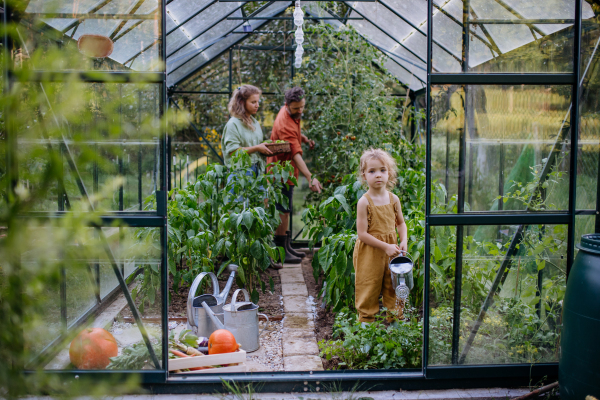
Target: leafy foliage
{"x":221,"y":218}
{"x":350,"y":107}
{"x":374,"y":345}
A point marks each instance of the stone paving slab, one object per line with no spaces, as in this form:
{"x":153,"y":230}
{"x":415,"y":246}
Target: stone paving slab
{"x":291,"y":276}
{"x":299,"y":342}
{"x":454,"y":394}
{"x":294,"y":289}
{"x":292,"y":266}
{"x":302,"y":321}
{"x":302,"y":363}
{"x":296,"y":304}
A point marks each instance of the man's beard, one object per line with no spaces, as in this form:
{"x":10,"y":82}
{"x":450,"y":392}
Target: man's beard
{"x":294,"y":116}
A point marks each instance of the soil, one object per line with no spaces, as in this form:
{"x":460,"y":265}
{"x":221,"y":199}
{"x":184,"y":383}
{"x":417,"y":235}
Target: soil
{"x":324,"y":318}
{"x":269,"y":303}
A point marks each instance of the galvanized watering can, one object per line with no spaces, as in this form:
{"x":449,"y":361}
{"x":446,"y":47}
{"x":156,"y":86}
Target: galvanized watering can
{"x":198,"y":321}
{"x":241,"y":319}
{"x":401,"y":268}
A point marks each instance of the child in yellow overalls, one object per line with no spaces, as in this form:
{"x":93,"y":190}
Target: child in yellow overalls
{"x":379,"y":217}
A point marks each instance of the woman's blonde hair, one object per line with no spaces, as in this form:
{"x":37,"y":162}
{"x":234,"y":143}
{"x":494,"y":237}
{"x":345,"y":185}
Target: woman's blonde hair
{"x":385,"y":158}
{"x":237,"y":104}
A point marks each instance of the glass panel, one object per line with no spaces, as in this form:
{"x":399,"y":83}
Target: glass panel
{"x":588,"y":163}
{"x":249,"y":66}
{"x":214,"y":77}
{"x":522,"y":322}
{"x":201,"y":23}
{"x":92,"y":34}
{"x":113,"y":132}
{"x":519,"y":36}
{"x":72,"y":255}
{"x":516,"y":136}
{"x":584,"y":224}
{"x":401,"y":72}
{"x":195,"y":59}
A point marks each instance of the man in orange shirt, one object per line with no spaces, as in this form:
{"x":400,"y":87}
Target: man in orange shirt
{"x":287,"y":127}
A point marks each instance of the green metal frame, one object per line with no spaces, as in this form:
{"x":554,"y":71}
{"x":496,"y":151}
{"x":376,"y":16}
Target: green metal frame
{"x":428,"y":377}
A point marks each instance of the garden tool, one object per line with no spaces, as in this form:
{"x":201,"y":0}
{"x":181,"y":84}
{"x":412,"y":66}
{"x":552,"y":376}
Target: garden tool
{"x":241,"y":319}
{"x":401,"y":269}
{"x":198,"y":321}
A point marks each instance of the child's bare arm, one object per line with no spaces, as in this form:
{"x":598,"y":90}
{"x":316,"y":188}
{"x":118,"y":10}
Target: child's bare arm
{"x":362,"y":225}
{"x":401,"y":226}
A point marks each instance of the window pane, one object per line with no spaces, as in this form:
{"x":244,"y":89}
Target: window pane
{"x":109,"y":149}
{"x":588,"y":163}
{"x":72,"y":256}
{"x":92,"y":35}
{"x":521,"y":323}
{"x":516,"y":136}
{"x":506,"y":43}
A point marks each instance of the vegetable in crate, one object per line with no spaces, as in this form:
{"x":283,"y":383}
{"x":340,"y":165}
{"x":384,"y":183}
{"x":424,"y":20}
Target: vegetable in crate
{"x":134,"y":357}
{"x":222,"y":341}
{"x":92,"y":348}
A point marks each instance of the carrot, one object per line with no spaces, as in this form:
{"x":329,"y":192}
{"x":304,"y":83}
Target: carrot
{"x":193,"y":352}
{"x":178,"y":353}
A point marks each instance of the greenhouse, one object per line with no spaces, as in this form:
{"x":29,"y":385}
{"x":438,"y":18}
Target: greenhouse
{"x":137,"y":241}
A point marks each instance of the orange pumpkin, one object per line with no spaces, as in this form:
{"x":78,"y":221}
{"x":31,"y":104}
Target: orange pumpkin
{"x":92,"y":349}
{"x":222,"y":341}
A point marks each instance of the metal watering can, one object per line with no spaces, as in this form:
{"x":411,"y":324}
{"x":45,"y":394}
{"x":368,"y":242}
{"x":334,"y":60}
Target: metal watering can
{"x":198,"y":321}
{"x":241,"y":319}
{"x":401,"y":268}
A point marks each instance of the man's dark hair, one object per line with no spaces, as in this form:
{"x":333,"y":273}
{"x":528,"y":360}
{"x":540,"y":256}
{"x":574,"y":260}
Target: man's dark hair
{"x":293,"y":94}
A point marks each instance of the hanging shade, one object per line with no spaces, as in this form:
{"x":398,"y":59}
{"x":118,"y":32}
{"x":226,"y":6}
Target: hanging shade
{"x":96,"y":46}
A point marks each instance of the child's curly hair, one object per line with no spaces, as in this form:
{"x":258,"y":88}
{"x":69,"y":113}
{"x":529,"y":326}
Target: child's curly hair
{"x":385,"y":158}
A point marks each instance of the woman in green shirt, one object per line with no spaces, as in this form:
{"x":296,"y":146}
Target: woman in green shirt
{"x":243,"y":131}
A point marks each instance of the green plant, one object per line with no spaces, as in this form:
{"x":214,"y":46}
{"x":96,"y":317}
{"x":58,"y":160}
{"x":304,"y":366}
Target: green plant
{"x":334,"y":260}
{"x":350,"y":107}
{"x":247,"y":244}
{"x":221,"y":218}
{"x":375,"y":345}
{"x":133,"y":357}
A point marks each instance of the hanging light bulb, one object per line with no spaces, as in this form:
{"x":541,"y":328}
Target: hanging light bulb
{"x":298,"y":15}
{"x":299,"y":21}
{"x":299,"y":35}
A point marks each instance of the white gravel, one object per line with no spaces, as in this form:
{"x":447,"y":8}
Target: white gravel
{"x":269,"y":357}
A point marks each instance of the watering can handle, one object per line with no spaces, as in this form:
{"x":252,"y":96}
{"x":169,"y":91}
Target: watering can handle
{"x":234,"y":297}
{"x":192,"y":293}
{"x":212,"y":316}
{"x":406,"y":254}
{"x":265,"y":327}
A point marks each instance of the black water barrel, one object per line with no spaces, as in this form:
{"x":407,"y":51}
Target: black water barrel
{"x":579,"y":366}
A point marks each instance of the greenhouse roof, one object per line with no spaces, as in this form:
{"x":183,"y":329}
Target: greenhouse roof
{"x":197,"y":31}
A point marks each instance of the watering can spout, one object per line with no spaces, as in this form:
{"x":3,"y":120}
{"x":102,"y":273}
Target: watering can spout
{"x":212,"y":316}
{"x":223,"y":295}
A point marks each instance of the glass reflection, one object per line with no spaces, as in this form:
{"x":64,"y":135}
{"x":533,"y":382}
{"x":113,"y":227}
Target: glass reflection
{"x":512,"y":287}
{"x":107,"y":136}
{"x":505,"y":36}
{"x":80,"y":289}
{"x":93,"y":35}
{"x":514,"y":154}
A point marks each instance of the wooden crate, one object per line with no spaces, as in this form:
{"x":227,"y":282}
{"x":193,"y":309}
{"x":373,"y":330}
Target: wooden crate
{"x":237,"y":358}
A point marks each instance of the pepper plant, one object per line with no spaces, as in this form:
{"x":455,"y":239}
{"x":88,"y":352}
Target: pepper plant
{"x":226,"y":216}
